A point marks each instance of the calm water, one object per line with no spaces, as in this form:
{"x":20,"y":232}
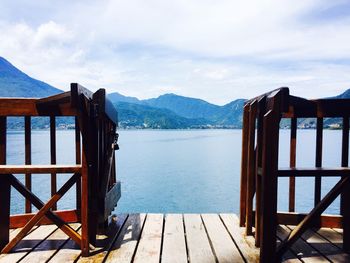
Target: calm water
{"x":178,"y":170}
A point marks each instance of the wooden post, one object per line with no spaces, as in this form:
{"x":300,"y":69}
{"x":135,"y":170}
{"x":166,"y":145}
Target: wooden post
{"x":78,"y":161}
{"x":84,"y":206}
{"x":28,"y":159}
{"x":292,"y":162}
{"x":318,"y":161}
{"x":261,"y":112}
{"x":243,"y":192}
{"x":269,"y":187}
{"x":5,"y":190}
{"x":345,"y":195}
{"x":53,"y":157}
{"x":251,"y":168}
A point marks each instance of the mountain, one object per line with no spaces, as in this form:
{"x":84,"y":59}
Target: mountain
{"x":197,"y":113}
{"x":133,"y":115}
{"x":117,"y":97}
{"x":15,"y":83}
{"x":184,"y":106}
{"x":344,"y":95}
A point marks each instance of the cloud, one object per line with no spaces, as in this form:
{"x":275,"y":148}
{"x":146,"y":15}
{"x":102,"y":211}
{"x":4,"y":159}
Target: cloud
{"x":215,"y":50}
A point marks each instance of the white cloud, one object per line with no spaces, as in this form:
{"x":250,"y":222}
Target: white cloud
{"x":215,"y":50}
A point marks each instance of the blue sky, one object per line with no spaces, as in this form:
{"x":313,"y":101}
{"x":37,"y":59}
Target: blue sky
{"x":215,"y":50}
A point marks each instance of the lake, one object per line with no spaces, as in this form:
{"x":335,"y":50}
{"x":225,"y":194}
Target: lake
{"x":173,"y":171}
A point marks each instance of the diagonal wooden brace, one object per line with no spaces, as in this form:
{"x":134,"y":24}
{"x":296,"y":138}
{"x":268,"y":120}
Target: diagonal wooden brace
{"x":314,"y":214}
{"x":44,"y":211}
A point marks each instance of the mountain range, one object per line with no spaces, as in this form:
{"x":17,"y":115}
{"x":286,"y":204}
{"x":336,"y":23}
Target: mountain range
{"x":174,"y":111}
{"x":168,"y":111}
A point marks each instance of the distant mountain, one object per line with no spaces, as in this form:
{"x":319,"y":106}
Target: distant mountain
{"x":184,"y":106}
{"x":133,"y":115}
{"x":15,"y":83}
{"x":344,"y":95}
{"x":117,"y":97}
{"x":197,"y":113}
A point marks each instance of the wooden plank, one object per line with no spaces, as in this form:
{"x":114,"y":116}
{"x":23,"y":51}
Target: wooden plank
{"x":124,"y":247}
{"x":258,"y":188}
{"x":324,"y":247}
{"x":105,"y":241}
{"x":174,"y":245}
{"x":268,"y":203}
{"x":47,"y":248}
{"x":28,"y":243}
{"x":28,"y":158}
{"x":199,"y":250}
{"x":245,"y":243}
{"x":78,"y":161}
{"x":70,"y":252}
{"x":53,"y":100}
{"x":292,"y":163}
{"x":5,"y":190}
{"x":39,"y":169}
{"x":111,"y":199}
{"x":345,"y":195}
{"x":53,"y":157}
{"x":324,"y":220}
{"x":244,"y":160}
{"x":312,"y":172}
{"x":28,"y":107}
{"x":300,"y":247}
{"x":318,"y":161}
{"x":148,"y":249}
{"x":331,"y":235}
{"x":289,"y":256}
{"x":69,"y":216}
{"x":224,"y":248}
{"x":251,"y":168}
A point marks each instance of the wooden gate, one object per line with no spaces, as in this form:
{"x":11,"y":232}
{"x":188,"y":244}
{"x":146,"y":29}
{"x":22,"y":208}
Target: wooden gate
{"x":260,"y":171}
{"x":94,"y":175}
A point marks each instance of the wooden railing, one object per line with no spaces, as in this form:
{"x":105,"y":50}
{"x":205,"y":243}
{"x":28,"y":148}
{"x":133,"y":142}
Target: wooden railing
{"x":94,"y":174}
{"x":260,"y":171}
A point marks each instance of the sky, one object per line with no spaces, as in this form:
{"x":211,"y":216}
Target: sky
{"x":216,"y":50}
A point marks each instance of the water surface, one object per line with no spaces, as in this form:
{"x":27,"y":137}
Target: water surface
{"x":173,"y":171}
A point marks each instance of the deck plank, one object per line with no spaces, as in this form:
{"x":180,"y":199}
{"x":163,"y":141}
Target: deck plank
{"x":177,"y":238}
{"x":301,"y":248}
{"x":199,"y":250}
{"x":148,"y":249}
{"x":245,"y":243}
{"x":123,"y":249}
{"x":326,"y":248}
{"x":224,"y":248}
{"x":288,"y":256}
{"x":104,"y":241}
{"x":68,"y":253}
{"x":174,"y":244}
{"x":333,"y":236}
{"x":28,"y":243}
{"x":49,"y":246}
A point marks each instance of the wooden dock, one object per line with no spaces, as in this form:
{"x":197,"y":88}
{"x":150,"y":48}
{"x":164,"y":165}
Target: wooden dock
{"x":173,"y":238}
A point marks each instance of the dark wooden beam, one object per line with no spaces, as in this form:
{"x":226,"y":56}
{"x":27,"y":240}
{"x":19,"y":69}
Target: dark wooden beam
{"x":28,"y":158}
{"x":312,"y":172}
{"x":5,"y":189}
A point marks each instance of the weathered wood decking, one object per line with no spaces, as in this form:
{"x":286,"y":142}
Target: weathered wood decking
{"x":173,"y":238}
